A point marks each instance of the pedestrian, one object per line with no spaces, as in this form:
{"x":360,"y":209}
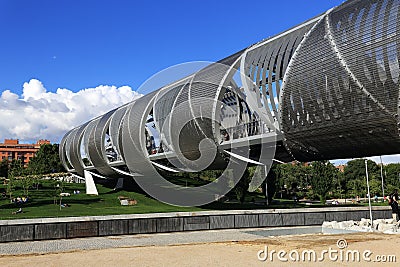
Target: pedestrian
{"x":395,"y":194}
{"x":395,"y":207}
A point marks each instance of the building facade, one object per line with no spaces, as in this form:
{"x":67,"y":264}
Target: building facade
{"x":12,"y":149}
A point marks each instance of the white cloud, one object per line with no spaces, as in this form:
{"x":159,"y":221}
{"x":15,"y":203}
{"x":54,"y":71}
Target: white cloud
{"x":38,"y":114}
{"x":33,"y":89}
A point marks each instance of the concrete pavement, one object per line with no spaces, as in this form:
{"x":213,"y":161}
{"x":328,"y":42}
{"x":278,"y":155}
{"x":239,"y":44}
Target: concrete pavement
{"x":162,"y":239}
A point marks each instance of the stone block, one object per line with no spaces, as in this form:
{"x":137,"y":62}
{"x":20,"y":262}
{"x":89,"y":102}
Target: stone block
{"x":142,"y":226}
{"x":246,"y":221}
{"x":381,"y":214}
{"x":82,"y":229}
{"x":292,"y":219}
{"x":50,"y":231}
{"x":113,"y":227}
{"x":222,"y":221}
{"x":169,"y":225}
{"x":272,"y":219}
{"x":335,"y":216}
{"x":357,"y":215}
{"x":16,"y":233}
{"x":314,"y":218}
{"x":196,"y":223}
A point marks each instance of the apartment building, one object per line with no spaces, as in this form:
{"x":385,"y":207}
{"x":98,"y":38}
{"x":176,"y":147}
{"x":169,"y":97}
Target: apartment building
{"x":12,"y":149}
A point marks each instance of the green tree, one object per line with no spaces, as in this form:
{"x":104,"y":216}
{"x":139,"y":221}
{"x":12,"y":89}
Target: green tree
{"x":340,"y":187}
{"x":270,"y":184}
{"x":391,"y":177}
{"x":26,"y":182}
{"x":292,"y":178}
{"x":46,"y":160}
{"x":355,"y":177}
{"x":11,"y":184}
{"x":242,"y":186}
{"x":357,"y":187}
{"x":323,"y":175}
{"x":355,"y":169}
{"x":15,"y":169}
{"x":4,"y":168}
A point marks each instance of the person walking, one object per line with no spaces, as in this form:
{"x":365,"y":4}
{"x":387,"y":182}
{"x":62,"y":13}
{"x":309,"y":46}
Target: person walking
{"x":395,"y":207}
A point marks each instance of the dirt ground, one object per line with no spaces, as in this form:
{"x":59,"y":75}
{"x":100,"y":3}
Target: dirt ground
{"x":370,"y":246}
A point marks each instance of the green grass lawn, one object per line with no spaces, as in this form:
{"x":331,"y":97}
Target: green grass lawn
{"x":42,"y":204}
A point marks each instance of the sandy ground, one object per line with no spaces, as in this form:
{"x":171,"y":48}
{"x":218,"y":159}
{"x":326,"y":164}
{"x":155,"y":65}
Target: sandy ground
{"x":239,"y":253}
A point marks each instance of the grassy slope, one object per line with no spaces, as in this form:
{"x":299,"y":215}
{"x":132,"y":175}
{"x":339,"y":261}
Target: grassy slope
{"x":41,"y":203}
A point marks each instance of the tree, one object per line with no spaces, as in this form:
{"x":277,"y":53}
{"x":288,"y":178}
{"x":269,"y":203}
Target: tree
{"x":15,"y":169}
{"x":355,"y":177}
{"x":10,"y":185}
{"x":46,"y":160}
{"x":292,"y":179}
{"x":27,"y":182}
{"x":242,"y":186}
{"x":323,"y":175}
{"x":391,"y":177}
{"x":357,"y":187}
{"x":4,"y":168}
{"x":270,"y":184}
{"x":340,"y":186}
{"x":355,"y":169}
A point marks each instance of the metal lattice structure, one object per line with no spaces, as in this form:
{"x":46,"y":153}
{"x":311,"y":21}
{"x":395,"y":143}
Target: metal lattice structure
{"x":325,"y":89}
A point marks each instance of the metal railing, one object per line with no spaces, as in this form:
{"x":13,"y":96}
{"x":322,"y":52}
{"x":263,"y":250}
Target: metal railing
{"x":253,"y":128}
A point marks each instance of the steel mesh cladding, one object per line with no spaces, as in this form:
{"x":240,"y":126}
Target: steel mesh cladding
{"x":193,"y":116}
{"x":341,"y":94}
{"x":265,"y":65}
{"x":75,"y":155}
{"x":133,"y":135}
{"x":96,"y":145}
{"x":115,"y":127}
{"x":63,"y":152}
{"x":84,"y":145}
{"x":325,"y":89}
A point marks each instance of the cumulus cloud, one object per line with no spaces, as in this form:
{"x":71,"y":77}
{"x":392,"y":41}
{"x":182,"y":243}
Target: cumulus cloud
{"x":38,"y":114}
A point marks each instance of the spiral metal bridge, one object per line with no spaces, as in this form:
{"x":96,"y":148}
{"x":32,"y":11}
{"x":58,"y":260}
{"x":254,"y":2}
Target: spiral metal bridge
{"x":325,"y":89}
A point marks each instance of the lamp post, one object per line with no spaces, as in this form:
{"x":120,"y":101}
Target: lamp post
{"x":369,"y":195}
{"x":266,"y":183}
{"x":383,"y":189}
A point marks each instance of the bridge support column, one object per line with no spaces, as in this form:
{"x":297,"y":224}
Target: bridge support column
{"x":90,"y":185}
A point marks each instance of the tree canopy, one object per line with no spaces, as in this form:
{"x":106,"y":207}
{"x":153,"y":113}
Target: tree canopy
{"x":4,"y":168}
{"x":323,"y":175}
{"x":46,"y":160}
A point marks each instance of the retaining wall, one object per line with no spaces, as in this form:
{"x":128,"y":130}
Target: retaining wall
{"x":71,"y":227}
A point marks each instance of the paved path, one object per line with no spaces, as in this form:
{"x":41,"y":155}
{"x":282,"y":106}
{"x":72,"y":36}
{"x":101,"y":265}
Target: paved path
{"x":164,"y":239}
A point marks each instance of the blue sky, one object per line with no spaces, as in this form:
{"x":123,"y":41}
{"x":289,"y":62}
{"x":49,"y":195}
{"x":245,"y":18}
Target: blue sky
{"x":90,"y":56}
{"x":83,"y":44}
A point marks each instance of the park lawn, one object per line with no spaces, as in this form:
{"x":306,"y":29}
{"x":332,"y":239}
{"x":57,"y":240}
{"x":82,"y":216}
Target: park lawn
{"x":42,"y":203}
